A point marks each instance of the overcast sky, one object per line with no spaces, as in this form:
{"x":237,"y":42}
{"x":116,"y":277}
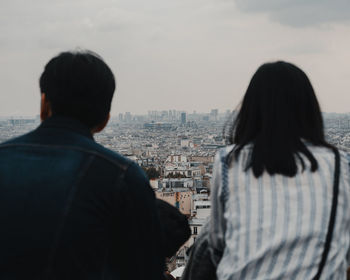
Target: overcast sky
{"x":183,"y":54}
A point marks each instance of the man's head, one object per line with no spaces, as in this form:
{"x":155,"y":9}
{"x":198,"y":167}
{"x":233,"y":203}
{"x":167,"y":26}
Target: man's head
{"x":79,"y":85}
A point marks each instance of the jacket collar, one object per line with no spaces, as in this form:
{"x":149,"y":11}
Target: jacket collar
{"x":67,"y":123}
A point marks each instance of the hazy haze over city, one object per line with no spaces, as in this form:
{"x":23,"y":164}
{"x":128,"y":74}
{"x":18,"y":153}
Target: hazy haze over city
{"x":183,"y":54}
{"x":169,"y":57}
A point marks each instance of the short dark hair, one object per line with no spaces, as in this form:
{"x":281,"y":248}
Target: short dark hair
{"x":278,"y":114}
{"x":79,"y":85}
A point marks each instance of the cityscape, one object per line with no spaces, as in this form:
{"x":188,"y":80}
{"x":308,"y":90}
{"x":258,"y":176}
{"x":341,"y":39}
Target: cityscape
{"x":176,"y":149}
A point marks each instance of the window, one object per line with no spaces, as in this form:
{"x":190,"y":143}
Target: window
{"x":195,"y":230}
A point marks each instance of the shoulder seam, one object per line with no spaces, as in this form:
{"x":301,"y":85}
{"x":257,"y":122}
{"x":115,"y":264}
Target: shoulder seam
{"x":124,"y":167}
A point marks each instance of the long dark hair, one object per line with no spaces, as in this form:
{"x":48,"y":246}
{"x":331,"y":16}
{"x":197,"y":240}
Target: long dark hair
{"x":278,"y":114}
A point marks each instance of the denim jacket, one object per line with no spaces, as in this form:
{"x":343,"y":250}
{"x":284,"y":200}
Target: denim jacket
{"x":72,"y":209}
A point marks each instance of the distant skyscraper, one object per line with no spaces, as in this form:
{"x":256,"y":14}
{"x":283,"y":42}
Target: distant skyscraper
{"x":127,"y":117}
{"x":183,"y":118}
{"x":214,"y":114}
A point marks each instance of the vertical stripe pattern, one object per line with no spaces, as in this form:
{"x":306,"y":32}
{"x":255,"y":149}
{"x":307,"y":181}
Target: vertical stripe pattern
{"x":276,"y":226}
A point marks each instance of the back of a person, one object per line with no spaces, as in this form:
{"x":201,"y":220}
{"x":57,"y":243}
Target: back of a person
{"x":273,"y":207}
{"x":70,"y":208}
{"x":277,"y":225}
{"x":55,"y":208}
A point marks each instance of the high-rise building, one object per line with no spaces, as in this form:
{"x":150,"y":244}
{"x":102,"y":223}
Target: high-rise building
{"x":214,"y":114}
{"x":127,"y":117}
{"x":183,"y":118}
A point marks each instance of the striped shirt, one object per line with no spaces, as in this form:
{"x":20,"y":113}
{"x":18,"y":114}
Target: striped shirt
{"x":274,"y":227}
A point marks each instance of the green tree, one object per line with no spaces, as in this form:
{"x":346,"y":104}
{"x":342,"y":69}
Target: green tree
{"x":151,"y":172}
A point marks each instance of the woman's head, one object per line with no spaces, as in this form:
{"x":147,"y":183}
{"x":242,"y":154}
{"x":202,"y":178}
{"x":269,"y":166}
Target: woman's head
{"x":278,"y":111}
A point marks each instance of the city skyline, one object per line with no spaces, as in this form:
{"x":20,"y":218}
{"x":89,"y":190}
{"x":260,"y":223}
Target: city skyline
{"x":146,"y":113}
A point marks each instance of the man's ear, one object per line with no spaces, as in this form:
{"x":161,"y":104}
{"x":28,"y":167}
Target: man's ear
{"x":101,"y":126}
{"x":45,"y":108}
